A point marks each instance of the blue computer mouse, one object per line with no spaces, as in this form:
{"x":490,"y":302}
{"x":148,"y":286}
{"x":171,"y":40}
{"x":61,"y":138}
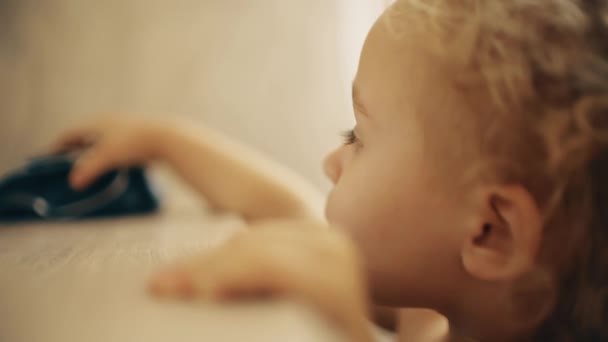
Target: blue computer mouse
{"x":39,"y":190}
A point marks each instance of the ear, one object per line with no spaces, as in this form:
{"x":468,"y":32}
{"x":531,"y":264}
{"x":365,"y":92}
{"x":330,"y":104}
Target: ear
{"x":505,"y":238}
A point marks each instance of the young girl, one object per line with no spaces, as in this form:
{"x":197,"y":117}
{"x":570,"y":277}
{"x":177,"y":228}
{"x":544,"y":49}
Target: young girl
{"x":469,"y":199}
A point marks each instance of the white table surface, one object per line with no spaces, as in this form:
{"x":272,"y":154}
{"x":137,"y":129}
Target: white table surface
{"x":85,"y":281}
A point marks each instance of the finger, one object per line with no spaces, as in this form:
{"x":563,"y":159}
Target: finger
{"x":94,"y":163}
{"x":172,"y":283}
{"x":240,"y":270}
{"x":176,"y":280}
{"x":74,"y":138}
{"x":219,"y":274}
{"x":244,"y":283}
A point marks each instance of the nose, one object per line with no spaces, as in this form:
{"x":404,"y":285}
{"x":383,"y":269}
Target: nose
{"x":332,"y":165}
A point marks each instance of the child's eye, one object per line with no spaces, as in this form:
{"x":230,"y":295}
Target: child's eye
{"x":350,"y":137}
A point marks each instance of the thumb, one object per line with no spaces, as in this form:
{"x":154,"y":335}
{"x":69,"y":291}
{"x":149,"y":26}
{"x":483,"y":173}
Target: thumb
{"x":93,"y":164}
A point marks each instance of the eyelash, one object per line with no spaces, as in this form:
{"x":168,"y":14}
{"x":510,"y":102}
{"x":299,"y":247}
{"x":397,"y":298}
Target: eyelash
{"x":350,"y":137}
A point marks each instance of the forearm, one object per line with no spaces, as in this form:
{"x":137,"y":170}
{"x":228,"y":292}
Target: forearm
{"x":236,"y":178}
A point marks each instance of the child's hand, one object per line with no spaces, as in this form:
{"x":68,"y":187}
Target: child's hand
{"x":284,"y":258}
{"x":111,"y":143}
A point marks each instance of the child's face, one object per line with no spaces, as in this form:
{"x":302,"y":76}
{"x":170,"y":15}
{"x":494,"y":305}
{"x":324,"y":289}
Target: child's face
{"x":387,"y":193}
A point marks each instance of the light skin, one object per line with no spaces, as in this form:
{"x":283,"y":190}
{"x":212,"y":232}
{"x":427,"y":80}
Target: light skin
{"x":402,"y":239}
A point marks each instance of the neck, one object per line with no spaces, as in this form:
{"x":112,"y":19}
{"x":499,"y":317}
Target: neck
{"x":485,"y":321}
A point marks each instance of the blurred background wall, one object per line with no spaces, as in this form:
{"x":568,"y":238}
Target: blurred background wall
{"x":274,"y":73}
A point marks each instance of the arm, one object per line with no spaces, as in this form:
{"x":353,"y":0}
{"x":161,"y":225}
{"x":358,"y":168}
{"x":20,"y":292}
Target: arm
{"x":230,"y":175}
{"x":236,"y":178}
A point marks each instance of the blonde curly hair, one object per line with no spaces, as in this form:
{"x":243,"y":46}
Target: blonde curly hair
{"x":543,"y":65}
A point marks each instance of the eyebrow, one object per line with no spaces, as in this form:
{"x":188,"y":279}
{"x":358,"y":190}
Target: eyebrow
{"x":357,"y":101}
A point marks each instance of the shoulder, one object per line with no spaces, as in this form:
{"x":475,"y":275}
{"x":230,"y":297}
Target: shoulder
{"x":421,"y":325}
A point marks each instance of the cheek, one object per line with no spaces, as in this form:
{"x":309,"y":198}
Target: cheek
{"x":374,"y":206}
{"x":388,"y":212}
{"x":365,"y":217}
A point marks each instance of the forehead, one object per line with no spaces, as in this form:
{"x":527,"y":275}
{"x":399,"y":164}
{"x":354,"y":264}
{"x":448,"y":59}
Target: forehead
{"x":402,"y":82}
{"x":399,"y":73}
